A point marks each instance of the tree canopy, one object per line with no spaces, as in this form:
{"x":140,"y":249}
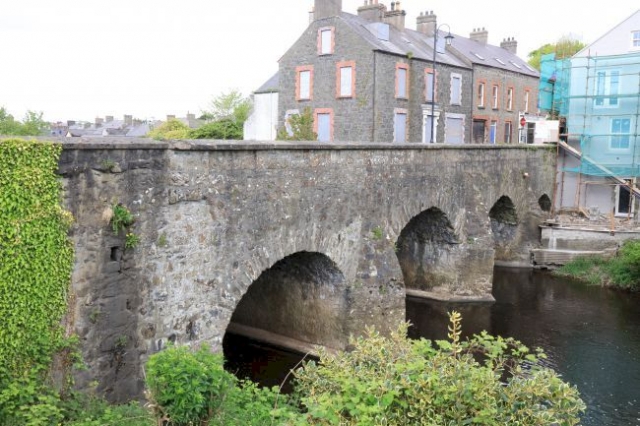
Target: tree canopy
{"x":230,"y":105}
{"x":31,"y":125}
{"x":565,"y":47}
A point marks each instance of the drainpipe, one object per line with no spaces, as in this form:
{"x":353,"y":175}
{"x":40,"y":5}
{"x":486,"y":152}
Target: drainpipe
{"x":373,"y":121}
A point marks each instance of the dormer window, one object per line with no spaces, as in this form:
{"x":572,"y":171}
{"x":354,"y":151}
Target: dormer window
{"x":326,"y":41}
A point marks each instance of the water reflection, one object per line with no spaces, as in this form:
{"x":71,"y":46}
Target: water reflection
{"x":591,"y":335}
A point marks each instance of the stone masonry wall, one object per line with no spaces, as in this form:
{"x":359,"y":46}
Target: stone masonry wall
{"x":212,"y":216}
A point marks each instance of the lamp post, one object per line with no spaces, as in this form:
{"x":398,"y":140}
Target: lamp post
{"x":448,"y":39}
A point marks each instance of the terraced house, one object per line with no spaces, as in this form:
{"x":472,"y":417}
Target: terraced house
{"x":366,"y":77}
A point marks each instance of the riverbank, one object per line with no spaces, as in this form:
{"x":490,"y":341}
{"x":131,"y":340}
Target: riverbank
{"x":620,"y":271}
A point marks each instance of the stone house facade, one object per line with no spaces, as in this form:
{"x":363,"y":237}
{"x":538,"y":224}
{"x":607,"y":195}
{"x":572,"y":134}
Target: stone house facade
{"x":504,"y":87}
{"x":367,"y":77}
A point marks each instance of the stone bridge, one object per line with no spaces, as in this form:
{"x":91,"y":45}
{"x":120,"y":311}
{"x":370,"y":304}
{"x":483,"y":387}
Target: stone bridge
{"x":294,"y":243}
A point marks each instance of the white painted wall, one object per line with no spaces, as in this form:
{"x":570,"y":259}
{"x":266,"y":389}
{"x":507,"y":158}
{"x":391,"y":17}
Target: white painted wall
{"x":615,"y":42}
{"x":262,"y":123}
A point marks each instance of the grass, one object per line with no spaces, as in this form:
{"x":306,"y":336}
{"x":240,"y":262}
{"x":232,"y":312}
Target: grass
{"x":621,"y":271}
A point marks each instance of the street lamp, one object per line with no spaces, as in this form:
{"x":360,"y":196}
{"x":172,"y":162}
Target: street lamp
{"x":448,"y":39}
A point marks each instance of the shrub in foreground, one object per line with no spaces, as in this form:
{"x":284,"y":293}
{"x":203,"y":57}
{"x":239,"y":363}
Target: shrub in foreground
{"x":396,"y":381}
{"x":188,"y":387}
{"x":382,"y":381}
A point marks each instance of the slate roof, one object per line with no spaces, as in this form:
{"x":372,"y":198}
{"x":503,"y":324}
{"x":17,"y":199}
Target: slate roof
{"x":492,"y":56}
{"x":400,"y":42}
{"x":270,"y":86}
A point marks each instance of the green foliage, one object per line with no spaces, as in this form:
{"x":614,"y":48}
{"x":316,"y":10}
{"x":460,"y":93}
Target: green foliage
{"x":377,"y":233}
{"x":300,"y":128}
{"x":121,"y":219}
{"x":131,"y":240}
{"x":221,"y":129}
{"x":172,"y":129}
{"x":32,"y":124}
{"x":132,"y":414}
{"x":229,"y":106}
{"x":36,"y":258}
{"x":621,"y":271}
{"x":396,"y":381}
{"x":191,"y":387}
{"x":565,"y":47}
{"x":162,"y":241}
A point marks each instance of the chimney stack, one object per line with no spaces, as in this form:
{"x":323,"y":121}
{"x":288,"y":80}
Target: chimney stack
{"x":426,"y":23}
{"x":372,"y":11}
{"x":326,"y":9}
{"x":395,"y":16}
{"x":128,"y":120}
{"x":510,"y":44}
{"x":480,"y":35}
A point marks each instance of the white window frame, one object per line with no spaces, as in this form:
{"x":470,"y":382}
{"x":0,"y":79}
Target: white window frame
{"x":305,"y":89}
{"x":493,"y":124}
{"x":495,"y":96}
{"x":635,"y":39}
{"x":510,"y":99}
{"x":613,"y":135}
{"x":426,"y":130}
{"x":481,"y":95}
{"x":325,"y":41}
{"x":346,"y":76}
{"x":604,"y":89}
{"x":402,"y":76}
{"x":431,"y":85}
{"x":455,"y":77}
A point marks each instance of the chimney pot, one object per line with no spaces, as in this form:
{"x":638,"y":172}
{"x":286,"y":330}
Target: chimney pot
{"x":481,"y":35}
{"x":426,"y":24}
{"x":510,"y":44}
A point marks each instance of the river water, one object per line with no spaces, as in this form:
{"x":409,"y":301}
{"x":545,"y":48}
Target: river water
{"x":591,"y":336}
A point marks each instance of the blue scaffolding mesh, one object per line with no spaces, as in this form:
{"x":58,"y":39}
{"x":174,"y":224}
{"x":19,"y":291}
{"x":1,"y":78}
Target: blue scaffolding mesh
{"x":600,"y":99}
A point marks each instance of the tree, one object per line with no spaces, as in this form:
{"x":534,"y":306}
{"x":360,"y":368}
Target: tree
{"x":299,"y":127}
{"x":32,"y":125}
{"x":231,"y":106}
{"x":172,"y":129}
{"x":565,"y":47}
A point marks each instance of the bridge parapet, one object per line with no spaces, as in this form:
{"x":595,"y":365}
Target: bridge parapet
{"x":212,"y":216}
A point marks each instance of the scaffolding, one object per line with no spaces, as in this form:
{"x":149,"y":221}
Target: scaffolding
{"x":598,"y":101}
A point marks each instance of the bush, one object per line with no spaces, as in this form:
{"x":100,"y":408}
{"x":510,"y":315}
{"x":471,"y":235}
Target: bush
{"x":222,"y":129}
{"x":621,"y":271}
{"x":299,"y":128}
{"x":172,"y":129}
{"x":395,"y":381}
{"x":132,"y":414}
{"x":191,"y":387}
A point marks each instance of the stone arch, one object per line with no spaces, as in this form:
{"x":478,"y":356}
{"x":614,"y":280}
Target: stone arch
{"x":425,"y":250}
{"x":545,"y":203}
{"x":504,"y":226}
{"x":300,"y":302}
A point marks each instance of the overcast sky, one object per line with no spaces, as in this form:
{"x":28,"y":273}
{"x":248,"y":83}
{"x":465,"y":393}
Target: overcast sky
{"x":78,"y":59}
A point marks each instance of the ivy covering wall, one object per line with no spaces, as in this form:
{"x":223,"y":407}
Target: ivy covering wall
{"x":36,"y":258}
